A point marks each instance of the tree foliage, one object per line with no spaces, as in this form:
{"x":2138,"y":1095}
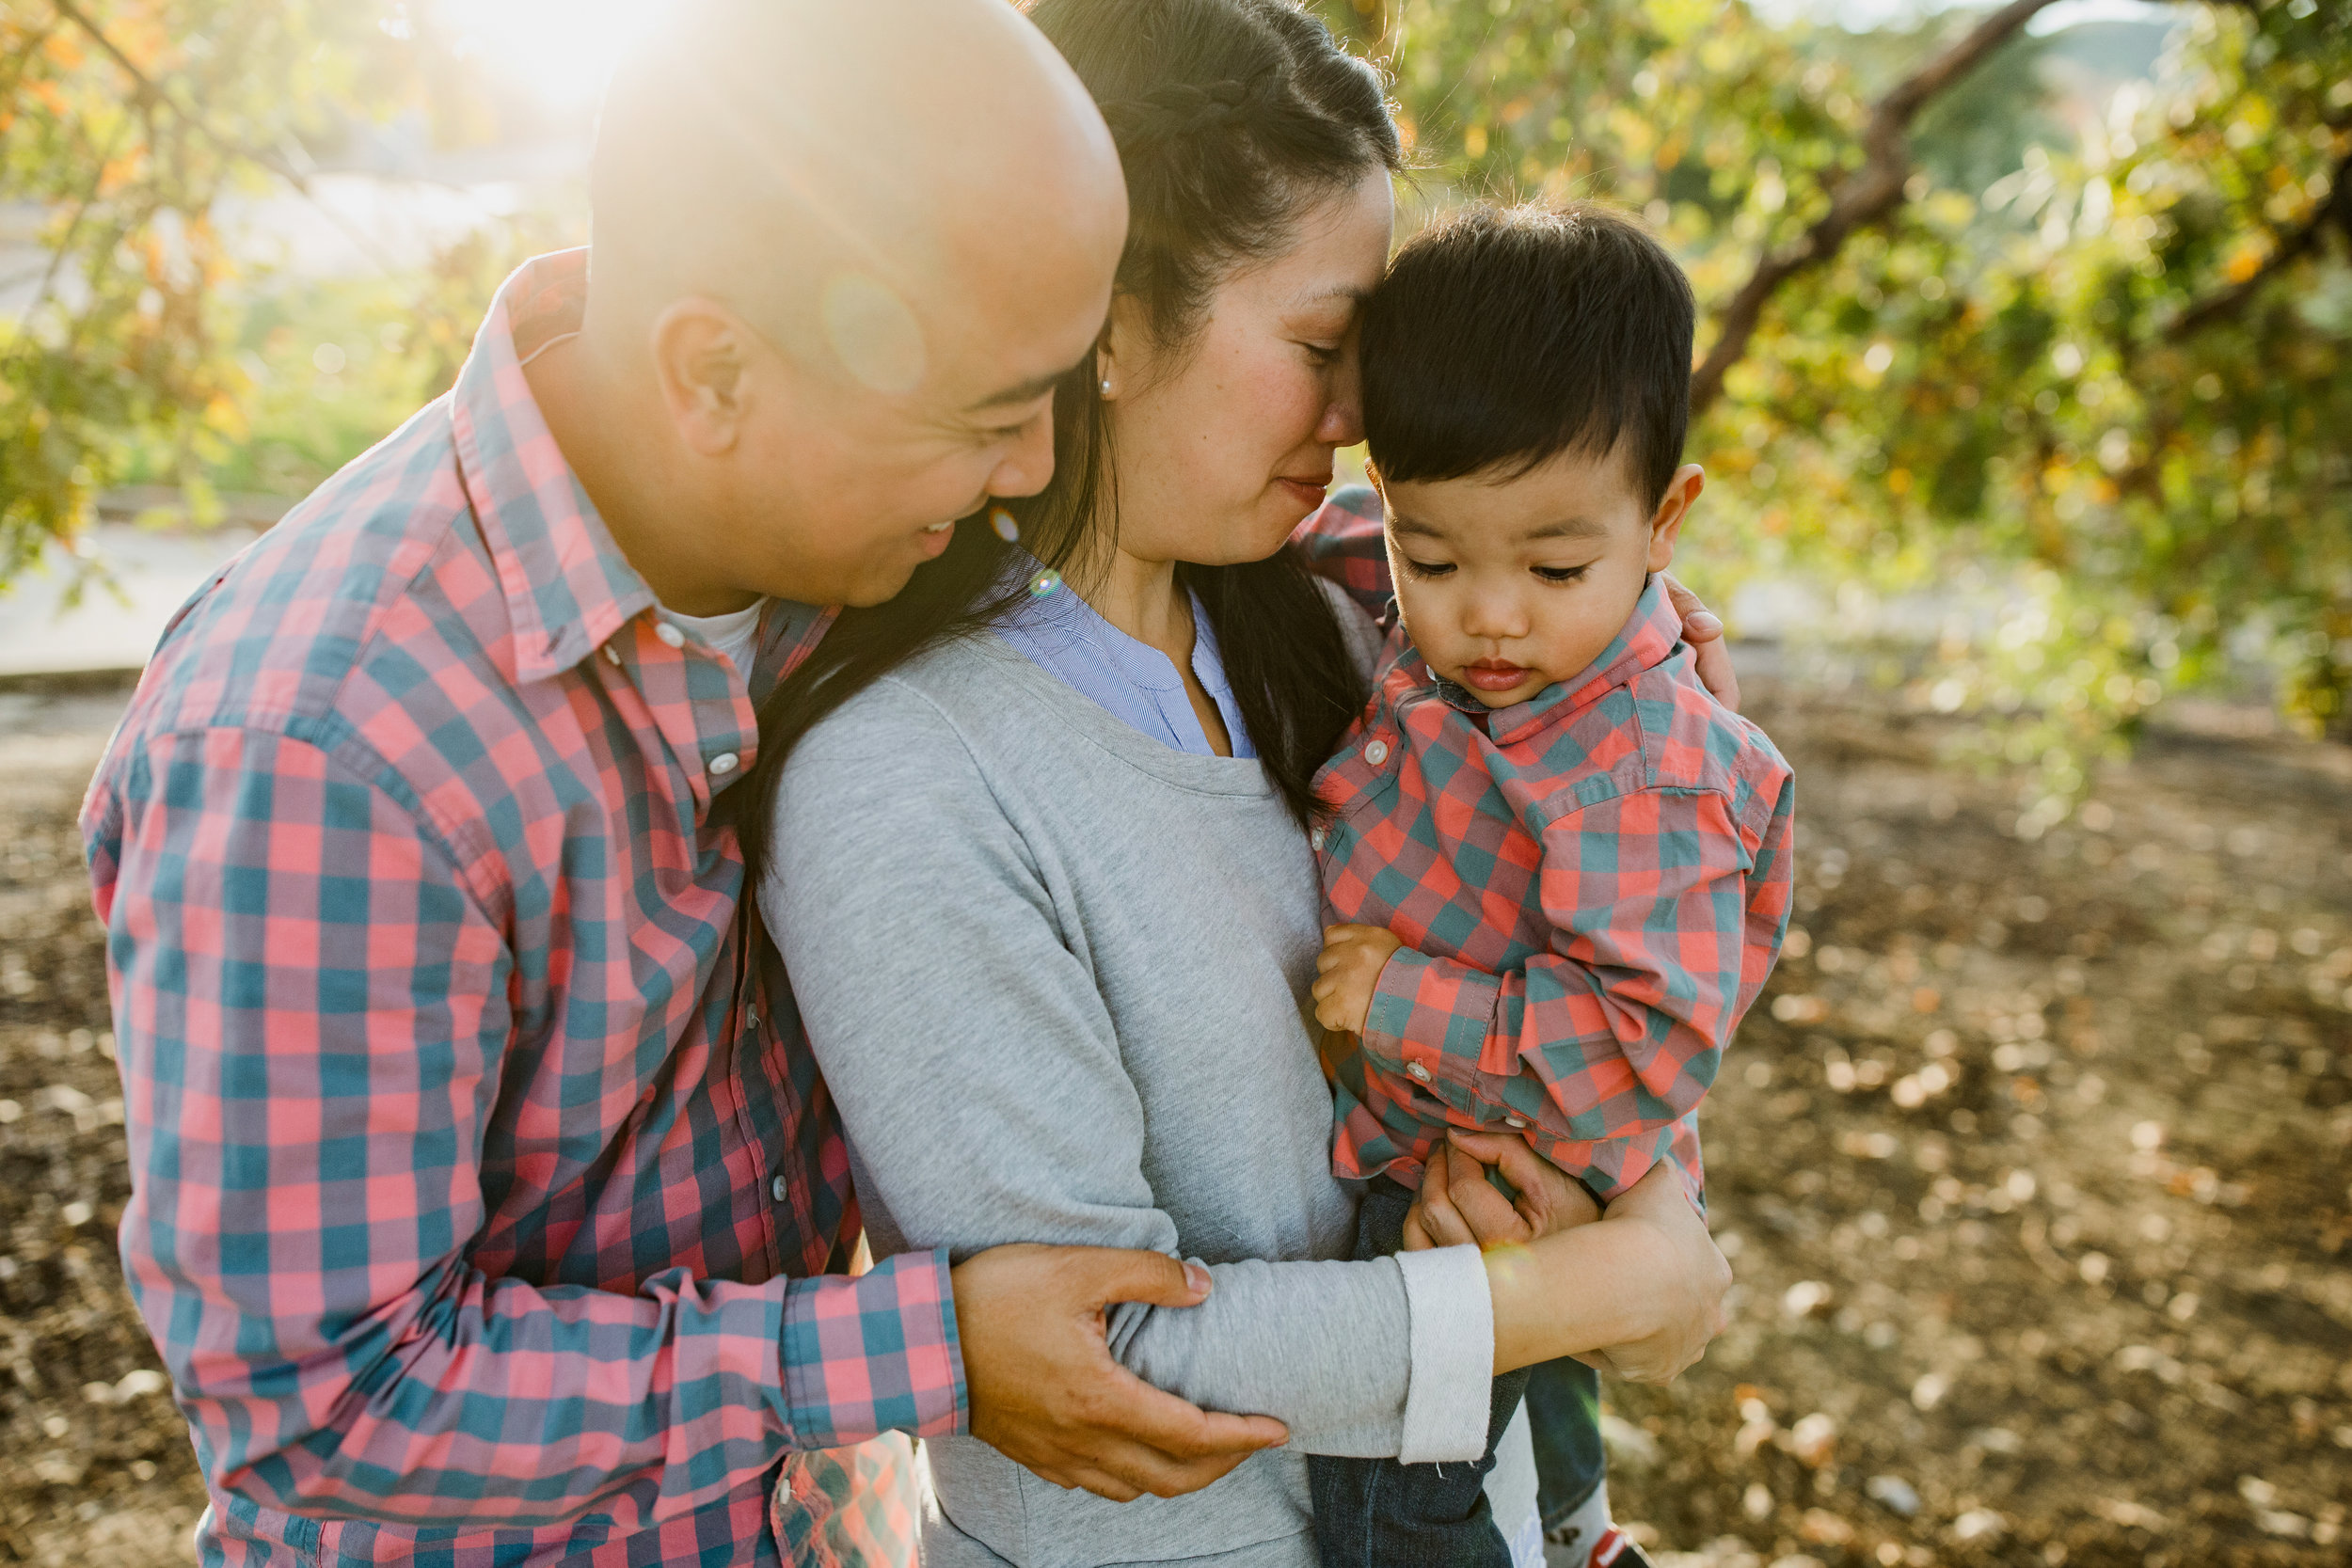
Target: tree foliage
{"x":1950,"y":336}
{"x":126,"y":122}
{"x":2119,"y":362}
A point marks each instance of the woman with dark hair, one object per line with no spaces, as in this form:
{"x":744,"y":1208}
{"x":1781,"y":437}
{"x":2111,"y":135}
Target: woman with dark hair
{"x":1037,"y":859}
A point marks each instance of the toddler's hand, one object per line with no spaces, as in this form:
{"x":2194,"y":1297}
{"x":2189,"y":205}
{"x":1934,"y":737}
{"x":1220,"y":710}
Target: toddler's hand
{"x":1346,"y":972}
{"x":1456,"y":1204}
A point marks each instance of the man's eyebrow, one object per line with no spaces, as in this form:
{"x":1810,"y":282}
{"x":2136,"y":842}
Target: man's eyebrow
{"x":1029,"y":391}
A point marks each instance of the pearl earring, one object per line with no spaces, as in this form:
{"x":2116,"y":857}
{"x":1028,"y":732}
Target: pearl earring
{"x":1106,"y":386}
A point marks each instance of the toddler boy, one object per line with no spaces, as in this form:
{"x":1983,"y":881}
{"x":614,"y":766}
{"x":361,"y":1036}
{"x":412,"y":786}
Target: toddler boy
{"x":1556,"y":869}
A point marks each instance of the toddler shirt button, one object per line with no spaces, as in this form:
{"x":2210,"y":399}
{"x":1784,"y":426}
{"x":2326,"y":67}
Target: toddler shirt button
{"x":612,"y":652}
{"x":1418,"y":1070}
{"x":1316,"y":838}
{"x":778,"y":1191}
{"x":669,"y":635}
{"x":724,"y":762}
{"x":1514,"y":1121}
{"x":1377,"y":753}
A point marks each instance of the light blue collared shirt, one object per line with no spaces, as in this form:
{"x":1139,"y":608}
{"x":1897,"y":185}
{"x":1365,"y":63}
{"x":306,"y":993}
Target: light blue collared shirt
{"x":1063,"y":636}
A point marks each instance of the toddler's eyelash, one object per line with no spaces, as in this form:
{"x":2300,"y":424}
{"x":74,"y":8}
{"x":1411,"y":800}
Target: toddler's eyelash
{"x":1425,"y":568}
{"x":1561,"y":573}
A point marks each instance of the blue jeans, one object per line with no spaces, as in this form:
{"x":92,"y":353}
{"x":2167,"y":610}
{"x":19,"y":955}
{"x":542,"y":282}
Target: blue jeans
{"x":1378,"y":1513}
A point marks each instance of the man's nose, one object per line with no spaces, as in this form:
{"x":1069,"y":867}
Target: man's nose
{"x":1029,"y":463}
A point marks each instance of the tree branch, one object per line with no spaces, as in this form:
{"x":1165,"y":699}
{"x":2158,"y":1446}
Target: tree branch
{"x":2292,"y":246}
{"x":1863,"y":197}
{"x":149,"y":95}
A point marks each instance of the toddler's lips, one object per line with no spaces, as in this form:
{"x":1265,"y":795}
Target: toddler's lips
{"x":1493,"y":676}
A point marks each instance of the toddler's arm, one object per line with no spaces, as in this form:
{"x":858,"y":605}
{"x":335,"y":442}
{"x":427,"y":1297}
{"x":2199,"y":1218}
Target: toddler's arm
{"x":1664,"y":924}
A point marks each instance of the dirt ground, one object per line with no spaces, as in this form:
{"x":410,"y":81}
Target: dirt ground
{"x":2034,"y":1166}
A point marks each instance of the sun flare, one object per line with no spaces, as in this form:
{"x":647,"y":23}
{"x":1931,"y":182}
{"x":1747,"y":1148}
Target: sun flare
{"x":561,"y":51}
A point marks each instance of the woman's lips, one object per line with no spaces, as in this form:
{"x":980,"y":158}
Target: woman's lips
{"x":934,"y":540}
{"x":1493,"y":676}
{"x":1304,"y":490}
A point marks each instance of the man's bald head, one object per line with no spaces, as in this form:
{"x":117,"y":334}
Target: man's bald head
{"x":862,"y":180}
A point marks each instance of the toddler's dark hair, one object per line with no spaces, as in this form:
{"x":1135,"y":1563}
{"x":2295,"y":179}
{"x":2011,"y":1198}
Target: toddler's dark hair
{"x":1504,"y":336}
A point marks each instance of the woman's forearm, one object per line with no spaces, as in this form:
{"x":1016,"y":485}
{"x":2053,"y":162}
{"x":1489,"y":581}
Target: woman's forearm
{"x":1645,"y":1283}
{"x":1570,"y":1293}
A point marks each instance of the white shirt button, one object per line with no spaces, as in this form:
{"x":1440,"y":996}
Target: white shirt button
{"x":725,"y":762}
{"x":751,"y":1018}
{"x":1377,"y":753}
{"x":1514,"y":1121}
{"x":669,"y":635}
{"x":778,"y":1191}
{"x":612,"y":652}
{"x":1418,"y":1070}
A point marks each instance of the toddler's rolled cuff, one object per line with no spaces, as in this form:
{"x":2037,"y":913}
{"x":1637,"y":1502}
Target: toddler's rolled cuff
{"x":1452,"y":1335}
{"x":1429,"y":1019}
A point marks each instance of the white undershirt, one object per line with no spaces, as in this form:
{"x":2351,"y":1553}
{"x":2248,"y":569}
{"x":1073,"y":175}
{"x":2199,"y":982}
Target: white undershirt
{"x":735,"y":634}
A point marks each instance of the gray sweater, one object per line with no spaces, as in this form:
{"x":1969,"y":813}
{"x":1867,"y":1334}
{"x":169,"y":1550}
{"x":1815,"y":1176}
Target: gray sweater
{"x":1055,"y":974}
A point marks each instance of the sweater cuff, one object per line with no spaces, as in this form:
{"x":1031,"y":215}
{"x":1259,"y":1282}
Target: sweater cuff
{"x":1449,"y":1387}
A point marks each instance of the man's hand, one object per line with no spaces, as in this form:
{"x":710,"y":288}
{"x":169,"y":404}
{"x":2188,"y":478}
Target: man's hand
{"x":1691,"y":1277}
{"x":1457,"y":1204}
{"x":1704,"y":631}
{"x":1046,"y":1394}
{"x":1346,"y":972}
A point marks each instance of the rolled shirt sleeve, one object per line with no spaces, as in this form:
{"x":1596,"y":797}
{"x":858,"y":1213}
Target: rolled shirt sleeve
{"x":1599,"y":1046}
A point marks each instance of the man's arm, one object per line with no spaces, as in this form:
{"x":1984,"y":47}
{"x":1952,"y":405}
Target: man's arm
{"x":312,"y":1020}
{"x":1610,"y":1038}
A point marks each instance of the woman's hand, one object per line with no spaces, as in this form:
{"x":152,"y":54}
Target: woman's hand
{"x":1704,"y":631}
{"x":1641,"y":1292}
{"x":1690,"y":1286}
{"x":1347,"y":971}
{"x":1458,"y":1205}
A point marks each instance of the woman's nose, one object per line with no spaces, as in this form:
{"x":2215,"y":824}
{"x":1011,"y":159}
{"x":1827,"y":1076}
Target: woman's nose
{"x":1343,"y":421}
{"x":1341,"y":424}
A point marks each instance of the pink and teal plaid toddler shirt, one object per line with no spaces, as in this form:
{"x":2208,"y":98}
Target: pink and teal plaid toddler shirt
{"x":484,"y":1189}
{"x":1591,"y":886}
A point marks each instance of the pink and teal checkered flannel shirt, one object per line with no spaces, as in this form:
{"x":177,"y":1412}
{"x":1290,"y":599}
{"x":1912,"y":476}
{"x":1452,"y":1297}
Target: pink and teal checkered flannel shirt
{"x":485,"y":1190}
{"x":1591,"y":887}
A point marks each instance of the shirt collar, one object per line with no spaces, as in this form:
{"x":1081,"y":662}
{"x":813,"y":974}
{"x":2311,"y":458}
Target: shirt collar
{"x":1647,"y":640}
{"x":568,"y":586}
{"x":1064,"y":613}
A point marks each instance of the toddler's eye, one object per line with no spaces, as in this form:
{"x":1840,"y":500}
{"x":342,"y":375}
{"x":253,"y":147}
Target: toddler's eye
{"x":1561,"y":573}
{"x":1425,"y":568}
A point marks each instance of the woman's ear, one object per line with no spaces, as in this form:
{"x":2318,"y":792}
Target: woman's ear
{"x":1119,"y":353}
{"x":701,"y":359}
{"x":1665,"y":524}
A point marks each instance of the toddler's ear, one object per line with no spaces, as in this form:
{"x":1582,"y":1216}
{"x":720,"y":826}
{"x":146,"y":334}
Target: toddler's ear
{"x":1665,"y":524}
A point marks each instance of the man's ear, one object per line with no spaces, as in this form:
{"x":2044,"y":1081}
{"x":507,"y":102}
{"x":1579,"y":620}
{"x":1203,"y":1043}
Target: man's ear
{"x":1665,"y":524}
{"x":700,"y":357}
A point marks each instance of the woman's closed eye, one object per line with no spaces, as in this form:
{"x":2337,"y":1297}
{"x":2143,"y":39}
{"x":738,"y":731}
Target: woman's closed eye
{"x":1322,"y":356}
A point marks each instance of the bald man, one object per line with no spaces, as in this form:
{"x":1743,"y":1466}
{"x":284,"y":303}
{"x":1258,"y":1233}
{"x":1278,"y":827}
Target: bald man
{"x":487,"y":1206}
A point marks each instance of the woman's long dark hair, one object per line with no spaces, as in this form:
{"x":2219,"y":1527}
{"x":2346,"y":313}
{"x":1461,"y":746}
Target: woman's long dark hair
{"x":1231,"y":116}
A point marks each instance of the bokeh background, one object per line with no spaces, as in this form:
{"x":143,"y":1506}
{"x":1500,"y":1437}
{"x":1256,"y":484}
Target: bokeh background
{"x":2026,"y":394}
